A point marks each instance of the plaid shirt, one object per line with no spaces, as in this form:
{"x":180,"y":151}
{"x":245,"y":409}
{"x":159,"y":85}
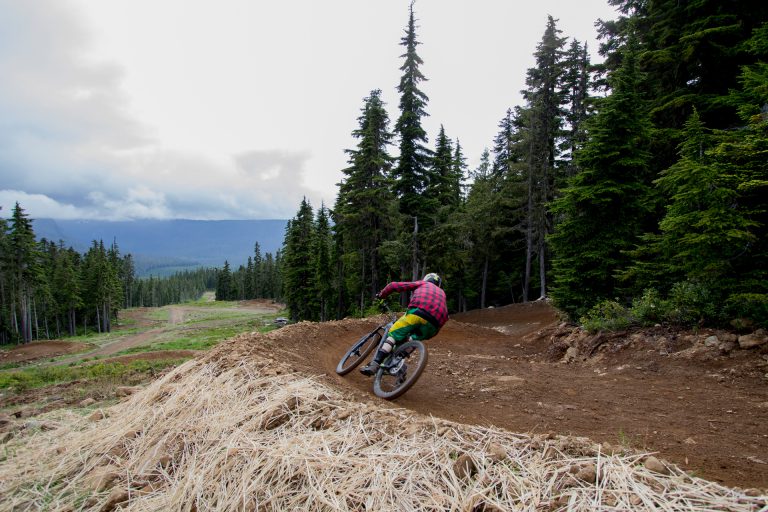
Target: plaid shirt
{"x":427,"y":297}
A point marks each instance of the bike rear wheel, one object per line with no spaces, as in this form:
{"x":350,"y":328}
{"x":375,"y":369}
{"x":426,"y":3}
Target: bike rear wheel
{"x":390,"y":386}
{"x":359,"y":351}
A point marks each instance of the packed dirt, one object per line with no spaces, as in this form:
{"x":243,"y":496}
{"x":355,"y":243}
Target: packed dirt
{"x":41,"y":350}
{"x":697,"y":404}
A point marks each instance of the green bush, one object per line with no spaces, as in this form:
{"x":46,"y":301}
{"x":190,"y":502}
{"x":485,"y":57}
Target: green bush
{"x":607,"y":315}
{"x":692,"y":303}
{"x":650,"y":308}
{"x":750,"y":306}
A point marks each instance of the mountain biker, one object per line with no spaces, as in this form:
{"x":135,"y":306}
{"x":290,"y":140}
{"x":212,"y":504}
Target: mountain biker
{"x":426,"y":314}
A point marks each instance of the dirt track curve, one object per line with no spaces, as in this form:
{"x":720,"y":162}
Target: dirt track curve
{"x":495,"y":367}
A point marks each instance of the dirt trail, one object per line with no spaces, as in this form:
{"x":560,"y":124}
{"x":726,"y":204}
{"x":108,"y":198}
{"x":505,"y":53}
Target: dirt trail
{"x":140,"y":317}
{"x":708,"y":416}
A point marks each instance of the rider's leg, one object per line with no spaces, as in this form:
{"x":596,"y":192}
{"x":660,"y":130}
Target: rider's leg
{"x":399,"y":333}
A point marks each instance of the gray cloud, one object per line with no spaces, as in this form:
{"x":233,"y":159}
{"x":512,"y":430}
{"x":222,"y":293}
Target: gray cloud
{"x":69,"y":148}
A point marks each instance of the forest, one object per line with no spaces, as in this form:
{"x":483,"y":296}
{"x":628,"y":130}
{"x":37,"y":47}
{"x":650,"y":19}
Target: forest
{"x":630,"y":190}
{"x":633,"y":190}
{"x":50,"y":291}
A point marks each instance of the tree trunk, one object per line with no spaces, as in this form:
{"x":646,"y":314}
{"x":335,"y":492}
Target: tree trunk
{"x":485,"y":283}
{"x":363,"y":287}
{"x":529,"y":228}
{"x":542,"y":269}
{"x":415,"y":256}
{"x":106,"y":316}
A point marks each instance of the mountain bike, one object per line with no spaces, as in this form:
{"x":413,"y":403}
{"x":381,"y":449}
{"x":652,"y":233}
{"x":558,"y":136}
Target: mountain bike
{"x":399,"y":371}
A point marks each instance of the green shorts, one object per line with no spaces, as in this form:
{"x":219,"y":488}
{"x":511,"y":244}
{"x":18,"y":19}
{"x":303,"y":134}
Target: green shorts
{"x":412,"y":325}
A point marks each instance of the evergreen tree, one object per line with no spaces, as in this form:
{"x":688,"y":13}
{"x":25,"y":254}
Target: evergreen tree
{"x":459,"y":174}
{"x":257,"y":277}
{"x":6,"y":330}
{"x":224,"y":285}
{"x":24,"y":272}
{"x":299,"y":287}
{"x":608,"y":204}
{"x":691,"y":56}
{"x":575,"y":87}
{"x":543,"y":122}
{"x":410,"y":172}
{"x":442,"y":182}
{"x":361,"y":213}
{"x":248,"y":280}
{"x":323,"y":264}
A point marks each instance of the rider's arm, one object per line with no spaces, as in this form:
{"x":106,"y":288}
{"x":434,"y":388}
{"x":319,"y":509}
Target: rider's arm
{"x":399,"y":286}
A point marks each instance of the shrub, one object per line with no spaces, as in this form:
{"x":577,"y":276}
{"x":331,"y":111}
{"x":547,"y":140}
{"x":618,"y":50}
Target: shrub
{"x":650,"y":308}
{"x":607,"y":315}
{"x":750,"y":306}
{"x":692,"y":303}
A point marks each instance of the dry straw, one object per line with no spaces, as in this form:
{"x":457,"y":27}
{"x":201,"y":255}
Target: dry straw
{"x":219,"y":435}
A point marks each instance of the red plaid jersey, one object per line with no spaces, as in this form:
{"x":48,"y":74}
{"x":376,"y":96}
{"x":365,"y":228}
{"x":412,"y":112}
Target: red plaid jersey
{"x":427,"y":297}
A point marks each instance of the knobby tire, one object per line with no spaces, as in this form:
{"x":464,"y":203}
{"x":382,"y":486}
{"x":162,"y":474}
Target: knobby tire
{"x":415,"y":367}
{"x":358,"y":352}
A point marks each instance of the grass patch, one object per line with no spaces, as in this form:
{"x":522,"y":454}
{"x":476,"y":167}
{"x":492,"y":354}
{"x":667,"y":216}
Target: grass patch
{"x":160,"y":314}
{"x":201,"y":339}
{"x":39,"y":377}
{"x":213,"y":304}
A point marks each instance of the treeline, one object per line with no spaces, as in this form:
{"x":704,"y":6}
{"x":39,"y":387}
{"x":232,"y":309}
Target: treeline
{"x":179,"y":287}
{"x":260,"y":278}
{"x":49,"y":291}
{"x":642,"y":179}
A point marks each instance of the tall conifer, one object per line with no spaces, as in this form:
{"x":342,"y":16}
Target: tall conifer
{"x":608,"y":204}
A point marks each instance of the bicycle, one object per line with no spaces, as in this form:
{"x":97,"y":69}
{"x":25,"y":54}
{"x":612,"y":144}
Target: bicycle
{"x":395,"y":376}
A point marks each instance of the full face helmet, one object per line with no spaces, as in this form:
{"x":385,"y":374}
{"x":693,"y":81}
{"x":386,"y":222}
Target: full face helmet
{"x":433,"y":278}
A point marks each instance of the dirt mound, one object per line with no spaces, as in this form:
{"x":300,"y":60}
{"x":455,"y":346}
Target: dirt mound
{"x":662,"y":391}
{"x":41,"y":350}
{"x":223,"y":433}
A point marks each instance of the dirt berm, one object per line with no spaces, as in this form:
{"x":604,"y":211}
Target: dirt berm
{"x":659,"y":390}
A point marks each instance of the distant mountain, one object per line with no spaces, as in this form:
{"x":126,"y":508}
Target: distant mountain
{"x":160,"y":247}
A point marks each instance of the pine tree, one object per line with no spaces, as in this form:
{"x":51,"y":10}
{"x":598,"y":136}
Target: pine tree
{"x":24,"y":272}
{"x":5,"y":275}
{"x":543,"y":122}
{"x":323,"y":263}
{"x":410,"y":172}
{"x":575,"y":85}
{"x":299,"y":286}
{"x":458,"y":174}
{"x":257,"y":277}
{"x":691,"y":56}
{"x":361,"y":214}
{"x":609,"y":203}
{"x":478,"y":220}
{"x":248,"y":280}
{"x":224,"y":283}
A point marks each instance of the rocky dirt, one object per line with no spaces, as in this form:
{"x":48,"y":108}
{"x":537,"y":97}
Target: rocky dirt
{"x":697,"y":399}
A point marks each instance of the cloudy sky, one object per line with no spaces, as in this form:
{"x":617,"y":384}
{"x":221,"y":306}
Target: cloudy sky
{"x":235,"y":109}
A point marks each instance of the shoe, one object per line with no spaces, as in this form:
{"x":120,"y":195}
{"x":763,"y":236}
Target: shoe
{"x":369,"y":369}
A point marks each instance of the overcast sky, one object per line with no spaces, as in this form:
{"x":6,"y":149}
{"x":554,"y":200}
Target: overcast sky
{"x":235,"y":109}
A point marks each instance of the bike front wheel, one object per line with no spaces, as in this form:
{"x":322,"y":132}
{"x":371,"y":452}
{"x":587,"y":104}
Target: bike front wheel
{"x":401,"y":370}
{"x":358,"y":352}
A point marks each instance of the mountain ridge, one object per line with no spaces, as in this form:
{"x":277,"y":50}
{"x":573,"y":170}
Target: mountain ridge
{"x":160,"y":247}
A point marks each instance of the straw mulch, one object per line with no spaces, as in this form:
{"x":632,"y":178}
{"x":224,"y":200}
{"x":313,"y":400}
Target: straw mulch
{"x":213,"y":435}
